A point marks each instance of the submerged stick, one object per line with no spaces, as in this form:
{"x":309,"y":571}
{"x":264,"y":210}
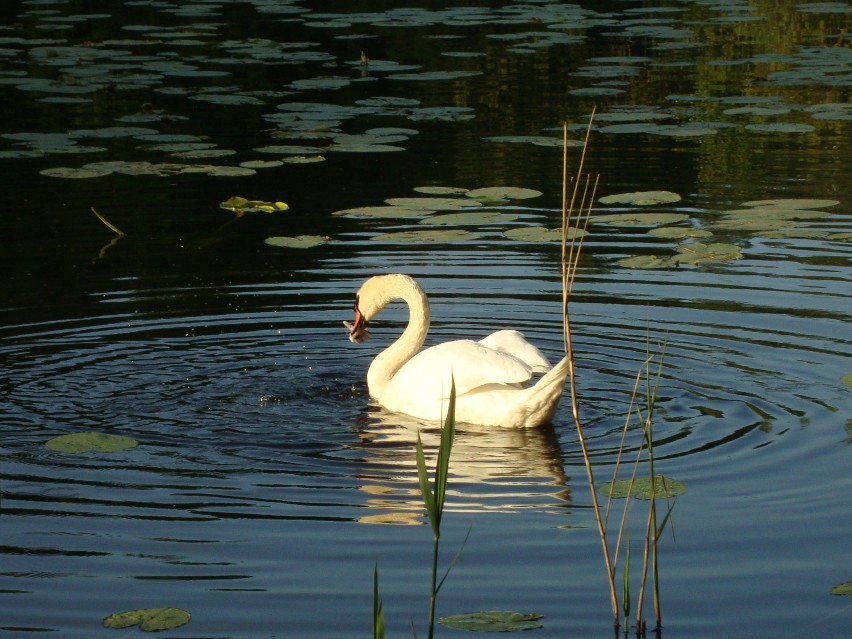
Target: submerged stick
{"x":107,"y":223}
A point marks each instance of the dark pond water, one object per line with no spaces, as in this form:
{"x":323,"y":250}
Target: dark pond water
{"x":265,"y":486}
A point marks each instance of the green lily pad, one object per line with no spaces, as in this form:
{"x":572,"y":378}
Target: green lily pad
{"x":678,"y":232}
{"x":239,"y":204}
{"x":440,"y":190}
{"x":503,"y":192}
{"x":800,"y":203}
{"x":781,"y":127}
{"x":149,"y":619}
{"x":382,"y":212}
{"x":541,"y":234}
{"x":494,"y":621}
{"x":304,"y":159}
{"x":449,"y":235}
{"x":642,"y":198}
{"x":91,"y":441}
{"x":75,"y":173}
{"x":646,"y":261}
{"x":433,"y":203}
{"x":639,"y":219}
{"x":471,"y":217}
{"x":846,"y":380}
{"x":843,"y":589}
{"x":298,"y":242}
{"x":641,"y":488}
{"x":697,"y":252}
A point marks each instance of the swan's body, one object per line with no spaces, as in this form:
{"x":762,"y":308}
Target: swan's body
{"x":490,"y":376}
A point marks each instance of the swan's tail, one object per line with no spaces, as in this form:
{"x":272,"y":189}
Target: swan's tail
{"x":544,"y":396}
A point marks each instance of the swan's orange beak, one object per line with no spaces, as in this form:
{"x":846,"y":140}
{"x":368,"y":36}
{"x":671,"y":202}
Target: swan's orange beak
{"x":357,"y":329}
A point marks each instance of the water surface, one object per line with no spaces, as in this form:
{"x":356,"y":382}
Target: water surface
{"x":266,"y":486}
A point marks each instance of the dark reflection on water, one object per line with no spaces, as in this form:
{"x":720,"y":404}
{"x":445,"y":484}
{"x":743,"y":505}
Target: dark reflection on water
{"x":264,"y":479}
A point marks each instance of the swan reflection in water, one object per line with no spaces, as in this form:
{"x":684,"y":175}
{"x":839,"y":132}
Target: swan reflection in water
{"x":491,"y":469}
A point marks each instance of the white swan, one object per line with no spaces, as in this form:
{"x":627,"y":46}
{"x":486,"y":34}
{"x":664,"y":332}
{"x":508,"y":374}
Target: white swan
{"x":490,"y":375}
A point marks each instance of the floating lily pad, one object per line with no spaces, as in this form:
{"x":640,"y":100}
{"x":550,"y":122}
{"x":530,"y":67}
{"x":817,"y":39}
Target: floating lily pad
{"x":503,"y":192}
{"x":541,"y":234}
{"x":794,"y":203}
{"x":433,"y":203}
{"x":846,"y":380}
{"x":471,"y":217}
{"x":494,"y":621}
{"x":642,"y":198}
{"x":449,"y":235}
{"x":90,"y":441}
{"x":646,"y":261}
{"x":753,"y":224}
{"x":843,"y":589}
{"x":434,"y":75}
{"x":149,"y":619}
{"x":304,"y":159}
{"x":75,"y":173}
{"x":781,"y":127}
{"x":678,"y":232}
{"x":641,"y":488}
{"x":365,"y":148}
{"x":239,"y":204}
{"x":697,"y":252}
{"x":639,"y":219}
{"x":538,"y":140}
{"x":382,"y":212}
{"x":440,"y":190}
{"x":297,"y":242}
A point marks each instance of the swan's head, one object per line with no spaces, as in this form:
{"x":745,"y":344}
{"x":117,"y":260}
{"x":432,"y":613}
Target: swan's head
{"x":358,"y":329}
{"x":374,"y":295}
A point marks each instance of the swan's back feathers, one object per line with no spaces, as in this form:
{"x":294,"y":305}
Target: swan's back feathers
{"x":469,"y":364}
{"x":514,"y":343}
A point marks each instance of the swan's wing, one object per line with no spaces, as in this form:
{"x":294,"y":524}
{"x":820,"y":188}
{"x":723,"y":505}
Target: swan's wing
{"x":513,"y":343}
{"x":471,"y":365}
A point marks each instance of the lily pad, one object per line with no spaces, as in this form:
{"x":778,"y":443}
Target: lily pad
{"x":241,"y":205}
{"x":449,"y":235}
{"x":91,"y":441}
{"x":382,"y":212}
{"x":664,"y":487}
{"x":800,"y":203}
{"x":298,"y":242}
{"x":639,"y":219}
{"x":494,"y":621}
{"x":678,"y":232}
{"x":433,"y":203}
{"x":471,"y":217}
{"x":642,"y":198}
{"x":843,"y":589}
{"x":781,"y":127}
{"x":75,"y":173}
{"x":697,"y":252}
{"x":846,"y":380}
{"x":440,"y":190}
{"x":646,"y":261}
{"x":503,"y":192}
{"x":541,"y":234}
{"x":149,"y":619}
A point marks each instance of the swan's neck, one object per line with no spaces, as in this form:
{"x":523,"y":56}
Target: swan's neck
{"x":389,"y":361}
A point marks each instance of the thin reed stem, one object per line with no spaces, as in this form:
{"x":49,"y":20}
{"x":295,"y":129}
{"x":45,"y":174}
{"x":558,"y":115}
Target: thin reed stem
{"x":570,"y":262}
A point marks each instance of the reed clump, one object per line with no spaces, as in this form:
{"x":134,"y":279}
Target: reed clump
{"x":576,"y":212}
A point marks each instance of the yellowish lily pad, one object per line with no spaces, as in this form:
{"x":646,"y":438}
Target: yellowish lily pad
{"x":149,"y":619}
{"x":90,"y":441}
{"x":641,"y":198}
{"x":297,"y":242}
